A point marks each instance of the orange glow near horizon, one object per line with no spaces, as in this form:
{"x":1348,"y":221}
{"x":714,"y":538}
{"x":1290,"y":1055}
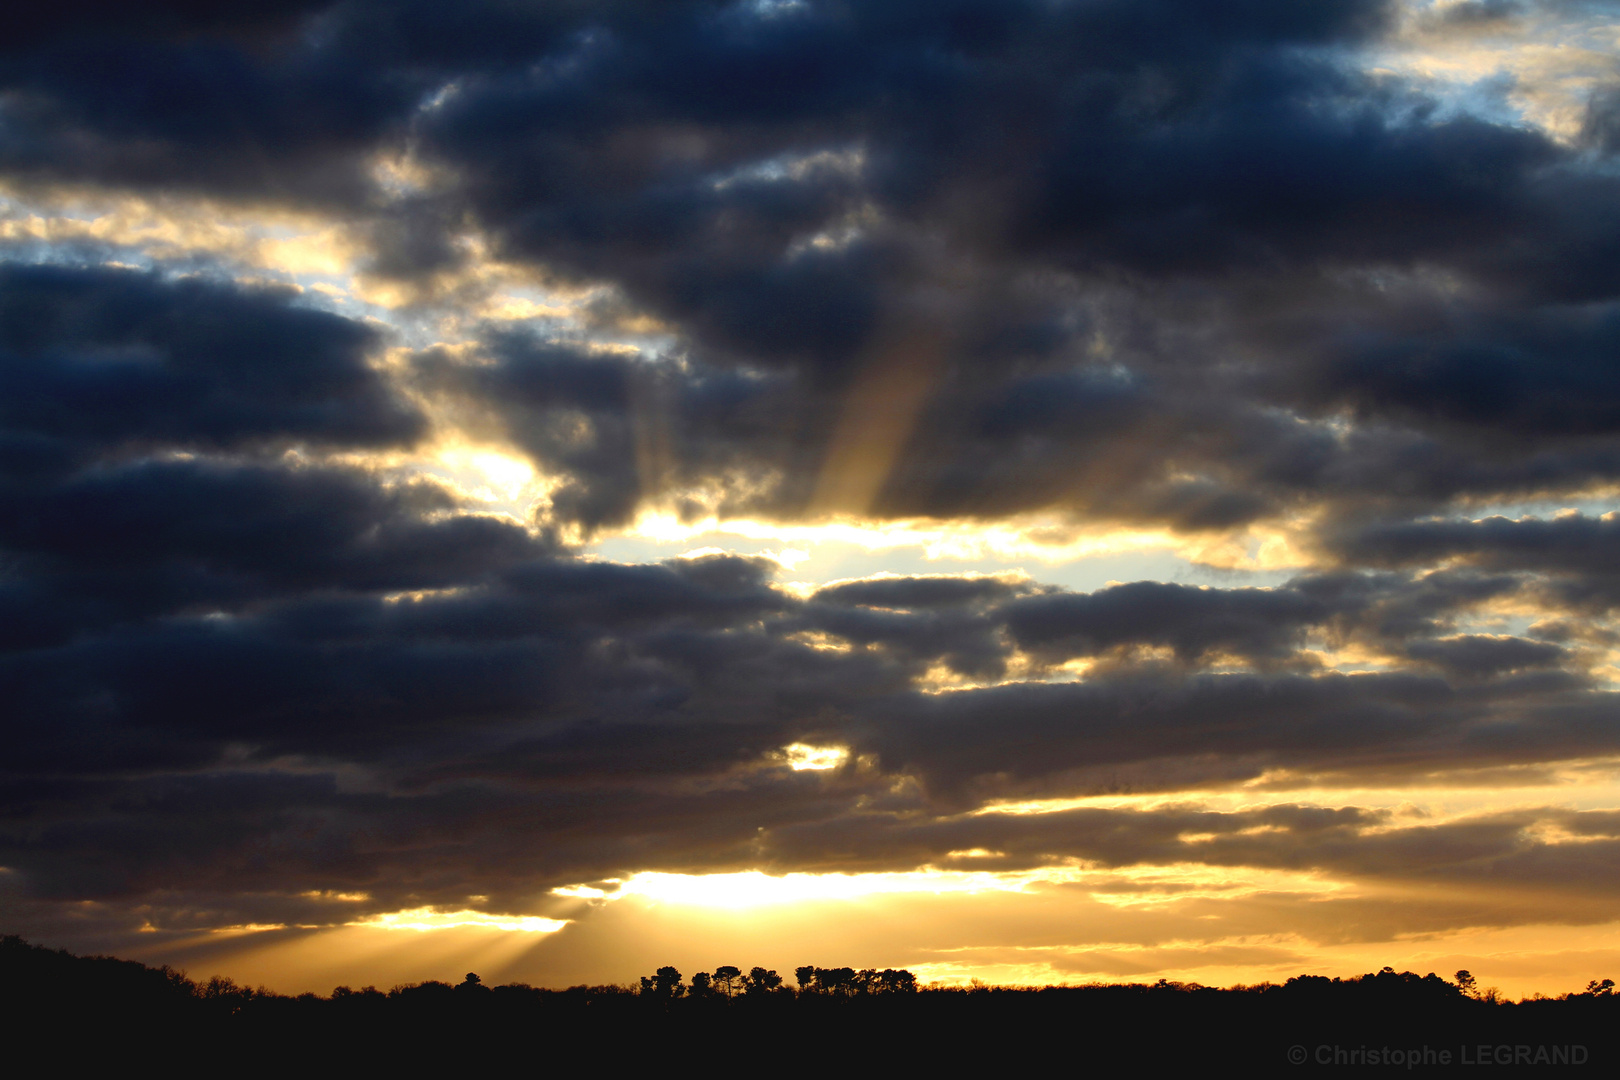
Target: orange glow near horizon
{"x":1067,"y":921}
{"x":1045,"y":936}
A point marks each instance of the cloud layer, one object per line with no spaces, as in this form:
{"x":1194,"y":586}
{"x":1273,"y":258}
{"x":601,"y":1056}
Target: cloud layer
{"x":1206,"y":271}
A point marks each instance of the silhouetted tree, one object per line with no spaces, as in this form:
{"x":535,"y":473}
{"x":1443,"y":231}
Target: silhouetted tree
{"x":897,"y":982}
{"x":664,"y":983}
{"x":727,"y":979}
{"x":761,"y":981}
{"x":472,"y":986}
{"x":41,"y":988}
{"x":839,"y":981}
{"x":1465,"y":982}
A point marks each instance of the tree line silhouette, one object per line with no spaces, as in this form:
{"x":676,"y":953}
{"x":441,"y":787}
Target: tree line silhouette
{"x":130,"y":1006}
{"x":728,"y":981}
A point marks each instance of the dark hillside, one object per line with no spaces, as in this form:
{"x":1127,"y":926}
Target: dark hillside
{"x":103,"y":1008}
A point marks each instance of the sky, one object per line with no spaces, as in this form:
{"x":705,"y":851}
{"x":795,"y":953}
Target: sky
{"x":1029,"y":490}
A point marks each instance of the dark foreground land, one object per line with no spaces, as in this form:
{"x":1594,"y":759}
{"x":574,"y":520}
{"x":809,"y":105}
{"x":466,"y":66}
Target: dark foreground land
{"x":93,"y":1010}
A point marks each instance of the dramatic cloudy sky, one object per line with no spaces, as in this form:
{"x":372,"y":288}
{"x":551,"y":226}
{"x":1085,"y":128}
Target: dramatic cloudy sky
{"x":1031,"y":489}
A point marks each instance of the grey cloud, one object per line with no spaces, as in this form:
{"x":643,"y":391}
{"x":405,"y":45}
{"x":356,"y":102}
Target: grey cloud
{"x":1259,"y":623}
{"x":1368,"y":724}
{"x":1574,"y":551}
{"x":1601,"y":126}
{"x":596,"y":696}
{"x":94,"y":361}
{"x":1178,"y":264}
{"x":1478,"y":654}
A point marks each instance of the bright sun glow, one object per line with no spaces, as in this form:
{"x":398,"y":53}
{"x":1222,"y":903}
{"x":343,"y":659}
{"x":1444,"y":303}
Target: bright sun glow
{"x":802,"y":756}
{"x":490,"y":475}
{"x":1036,"y":537}
{"x":426,"y":918}
{"x":1119,"y":887}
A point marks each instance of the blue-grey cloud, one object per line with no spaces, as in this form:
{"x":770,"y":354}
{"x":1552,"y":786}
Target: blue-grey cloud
{"x":1183,"y":265}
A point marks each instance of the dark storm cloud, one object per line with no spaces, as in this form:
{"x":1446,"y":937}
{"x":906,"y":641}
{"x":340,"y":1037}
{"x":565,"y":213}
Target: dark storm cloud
{"x":942,"y":591}
{"x":674,"y":148}
{"x":966,"y":643}
{"x":111,"y":381}
{"x":256,"y":101}
{"x":1368,"y":845}
{"x":1601,"y":127}
{"x":96,"y":361}
{"x":1532,"y":375}
{"x":1390,"y":613}
{"x":920,"y":620}
{"x":1061,"y":135}
{"x":1572,"y":543}
{"x":804,"y":188}
{"x":33,"y":22}
{"x":1478,"y":13}
{"x":343,"y":669}
{"x":1480,"y":654}
{"x":1008,"y":144}
{"x":429,"y":852}
{"x":617,"y":428}
{"x":570,"y":412}
{"x":160,"y":538}
{"x":1574,"y":552}
{"x":1118,"y":729}
{"x":1174,"y":264}
{"x":1258,"y":623}
{"x":587,"y":700}
{"x":1388,"y":610}
{"x":1448,"y":404}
